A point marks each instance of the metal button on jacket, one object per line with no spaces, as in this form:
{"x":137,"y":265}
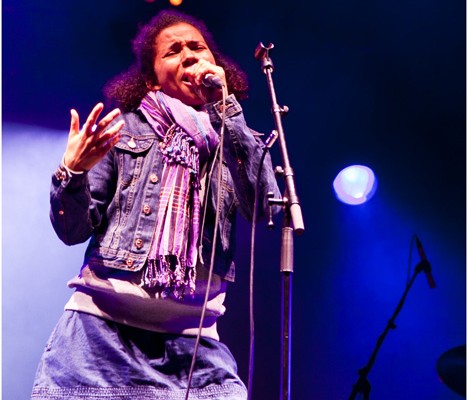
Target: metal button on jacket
{"x":131,"y":143}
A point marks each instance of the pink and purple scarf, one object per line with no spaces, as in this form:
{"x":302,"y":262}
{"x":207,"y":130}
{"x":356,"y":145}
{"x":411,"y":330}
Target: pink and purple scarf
{"x":187,"y":139}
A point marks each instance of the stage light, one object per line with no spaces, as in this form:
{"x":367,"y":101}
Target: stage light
{"x":355,"y":184}
{"x":171,"y":2}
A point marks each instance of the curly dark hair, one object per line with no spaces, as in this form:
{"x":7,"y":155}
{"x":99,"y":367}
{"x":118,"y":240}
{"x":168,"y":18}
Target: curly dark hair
{"x":127,"y":89}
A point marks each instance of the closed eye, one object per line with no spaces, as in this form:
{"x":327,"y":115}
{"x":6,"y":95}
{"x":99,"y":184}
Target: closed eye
{"x":174,"y":49}
{"x":197,"y":46}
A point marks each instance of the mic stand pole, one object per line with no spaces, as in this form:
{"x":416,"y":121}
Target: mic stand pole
{"x":362,"y":385}
{"x":292,"y":222}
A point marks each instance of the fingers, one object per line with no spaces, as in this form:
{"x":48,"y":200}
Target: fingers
{"x":74,"y":122}
{"x":207,"y":93}
{"x":92,"y":118}
{"x":104,"y":122}
{"x":110,"y":137}
{"x":116,"y":128}
{"x":199,"y":70}
{"x":91,"y":127}
{"x":102,"y":136}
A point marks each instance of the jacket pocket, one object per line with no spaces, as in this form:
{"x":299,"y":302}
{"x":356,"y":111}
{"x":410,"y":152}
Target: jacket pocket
{"x":130,"y":149}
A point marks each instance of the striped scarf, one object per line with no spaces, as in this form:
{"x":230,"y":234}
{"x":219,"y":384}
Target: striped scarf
{"x":187,"y":139}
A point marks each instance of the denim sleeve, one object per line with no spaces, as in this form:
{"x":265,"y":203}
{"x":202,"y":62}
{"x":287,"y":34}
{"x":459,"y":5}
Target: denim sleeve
{"x":242,"y":154}
{"x":77,"y":204}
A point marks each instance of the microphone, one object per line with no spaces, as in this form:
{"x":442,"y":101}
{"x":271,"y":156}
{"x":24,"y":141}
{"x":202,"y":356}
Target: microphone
{"x":424,"y":264}
{"x":213,"y":81}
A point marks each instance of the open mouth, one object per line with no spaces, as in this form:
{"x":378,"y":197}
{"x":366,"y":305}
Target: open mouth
{"x":185,"y":79}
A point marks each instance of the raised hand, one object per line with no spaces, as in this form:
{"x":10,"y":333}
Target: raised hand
{"x":87,"y":147}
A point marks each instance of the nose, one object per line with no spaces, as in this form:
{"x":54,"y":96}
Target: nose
{"x":188,"y":57}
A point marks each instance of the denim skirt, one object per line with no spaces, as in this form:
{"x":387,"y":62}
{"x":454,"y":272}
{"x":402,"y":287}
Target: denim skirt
{"x":91,"y":358}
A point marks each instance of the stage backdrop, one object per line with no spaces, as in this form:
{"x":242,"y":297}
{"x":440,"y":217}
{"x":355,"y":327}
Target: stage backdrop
{"x":380,"y":84}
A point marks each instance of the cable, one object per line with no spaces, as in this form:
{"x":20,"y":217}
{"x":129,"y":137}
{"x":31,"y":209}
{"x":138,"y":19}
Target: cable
{"x":213,"y":249}
{"x":251,"y":285}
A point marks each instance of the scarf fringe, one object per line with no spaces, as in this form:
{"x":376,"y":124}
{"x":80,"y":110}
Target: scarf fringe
{"x":170,"y":275}
{"x":179,"y":148}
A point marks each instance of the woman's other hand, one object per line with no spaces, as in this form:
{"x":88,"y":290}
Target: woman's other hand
{"x":87,"y":147}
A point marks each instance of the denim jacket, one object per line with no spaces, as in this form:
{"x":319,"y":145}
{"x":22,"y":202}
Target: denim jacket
{"x":116,"y":202}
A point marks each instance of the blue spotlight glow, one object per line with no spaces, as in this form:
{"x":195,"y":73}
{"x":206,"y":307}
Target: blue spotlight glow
{"x":355,"y":184}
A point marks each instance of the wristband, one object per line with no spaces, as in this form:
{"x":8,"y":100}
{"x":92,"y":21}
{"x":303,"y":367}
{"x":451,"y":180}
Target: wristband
{"x":64,"y":173}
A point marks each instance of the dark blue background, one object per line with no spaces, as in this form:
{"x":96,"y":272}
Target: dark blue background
{"x":377,"y":83}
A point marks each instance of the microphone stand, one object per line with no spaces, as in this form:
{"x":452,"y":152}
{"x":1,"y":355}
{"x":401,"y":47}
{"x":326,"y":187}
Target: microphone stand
{"x":292,"y":222}
{"x":362,"y":385}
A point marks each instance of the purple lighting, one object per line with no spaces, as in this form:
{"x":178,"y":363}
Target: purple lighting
{"x":355,"y":184}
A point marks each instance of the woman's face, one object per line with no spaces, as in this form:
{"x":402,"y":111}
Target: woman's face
{"x":178,"y":48}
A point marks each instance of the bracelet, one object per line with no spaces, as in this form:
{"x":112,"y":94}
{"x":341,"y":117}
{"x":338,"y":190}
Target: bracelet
{"x":61,"y":173}
{"x":64,"y":173}
{"x":70,"y":171}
